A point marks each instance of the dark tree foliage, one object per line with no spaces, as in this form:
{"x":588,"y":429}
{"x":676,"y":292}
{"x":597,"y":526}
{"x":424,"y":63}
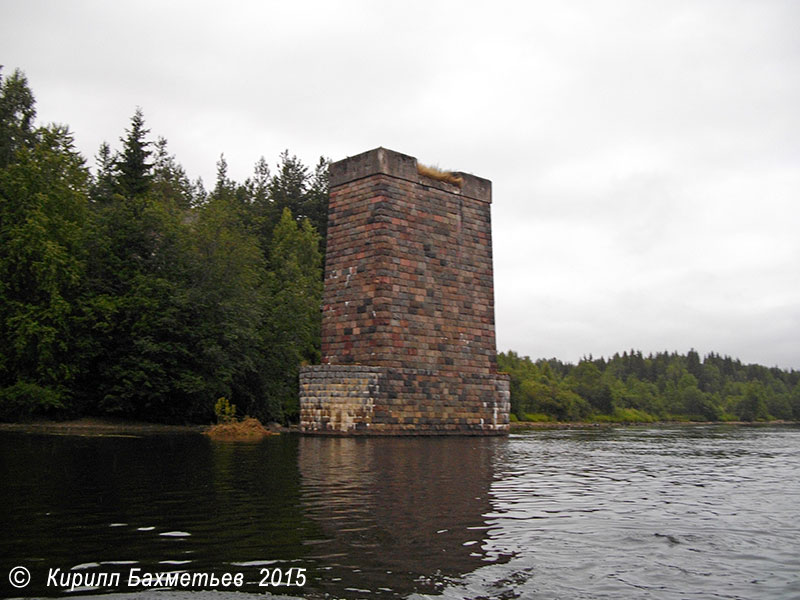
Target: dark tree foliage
{"x":17,"y":112}
{"x":293,"y":315}
{"x":315,"y":202}
{"x":103,"y":182}
{"x":170,"y":184}
{"x":134,"y":293}
{"x":43,"y":209}
{"x":287,"y":189}
{"x":224,"y":186}
{"x":662,"y":386}
{"x":133,"y":173}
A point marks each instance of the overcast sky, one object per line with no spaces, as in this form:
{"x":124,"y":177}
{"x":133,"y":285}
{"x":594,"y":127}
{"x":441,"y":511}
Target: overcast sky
{"x":645,"y":155}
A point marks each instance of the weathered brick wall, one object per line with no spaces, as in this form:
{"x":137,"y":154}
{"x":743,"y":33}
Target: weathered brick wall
{"x":408,"y":291}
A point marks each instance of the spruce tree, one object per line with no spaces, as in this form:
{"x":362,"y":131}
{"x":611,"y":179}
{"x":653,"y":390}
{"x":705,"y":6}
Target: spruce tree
{"x":288,"y":186}
{"x":17,"y":111}
{"x":133,"y":172}
{"x":170,"y":183}
{"x":225,"y":187}
{"x":102,"y":188}
{"x":315,"y":205}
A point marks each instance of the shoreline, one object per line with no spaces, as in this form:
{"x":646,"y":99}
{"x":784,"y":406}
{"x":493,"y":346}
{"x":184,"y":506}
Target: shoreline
{"x":523,"y":425}
{"x":100,"y":426}
{"x":95,"y":426}
{"x":104,"y":426}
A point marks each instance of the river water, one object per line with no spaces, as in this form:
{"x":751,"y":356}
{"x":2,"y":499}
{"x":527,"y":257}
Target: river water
{"x":662,"y":513}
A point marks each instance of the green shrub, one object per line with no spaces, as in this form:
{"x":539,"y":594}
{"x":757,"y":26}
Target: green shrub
{"x":225,"y":411}
{"x":24,"y":399}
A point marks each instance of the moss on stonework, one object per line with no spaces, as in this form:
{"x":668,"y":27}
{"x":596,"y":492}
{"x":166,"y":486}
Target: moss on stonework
{"x":439,"y":175}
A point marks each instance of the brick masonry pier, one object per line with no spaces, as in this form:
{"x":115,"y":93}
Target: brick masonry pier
{"x":408,"y":341}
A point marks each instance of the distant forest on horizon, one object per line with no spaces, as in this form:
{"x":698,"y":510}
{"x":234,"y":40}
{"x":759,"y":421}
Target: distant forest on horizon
{"x":665,"y":386}
{"x":132,"y":291}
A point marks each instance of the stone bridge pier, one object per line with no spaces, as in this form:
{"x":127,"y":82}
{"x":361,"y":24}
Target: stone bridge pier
{"x":408,"y":332}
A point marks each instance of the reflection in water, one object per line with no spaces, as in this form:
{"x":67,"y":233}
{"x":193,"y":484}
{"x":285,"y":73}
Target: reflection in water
{"x":158,"y":502}
{"x":402,"y":512}
{"x":662,"y":513}
{"x":389,"y":515}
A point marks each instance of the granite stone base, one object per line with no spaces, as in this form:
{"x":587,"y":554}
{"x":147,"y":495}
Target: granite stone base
{"x":353,"y":399}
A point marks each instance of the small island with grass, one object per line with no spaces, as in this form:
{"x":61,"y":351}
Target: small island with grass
{"x":230,"y":428}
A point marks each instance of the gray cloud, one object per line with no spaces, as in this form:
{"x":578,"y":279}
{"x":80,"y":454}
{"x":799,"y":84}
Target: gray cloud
{"x":644,"y":155}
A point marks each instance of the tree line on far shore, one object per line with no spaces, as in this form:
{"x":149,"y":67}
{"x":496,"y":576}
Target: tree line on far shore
{"x":635,"y":388}
{"x":131,"y":291}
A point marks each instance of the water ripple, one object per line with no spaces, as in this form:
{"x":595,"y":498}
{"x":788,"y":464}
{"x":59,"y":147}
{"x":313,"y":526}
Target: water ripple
{"x":652,"y":513}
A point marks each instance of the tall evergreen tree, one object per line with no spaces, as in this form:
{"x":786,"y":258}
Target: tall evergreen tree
{"x":693,"y":364}
{"x":258,"y":185}
{"x":288,"y":186}
{"x":17,"y":112}
{"x":103,"y":185}
{"x":315,"y":203}
{"x":132,"y":169}
{"x":224,"y":187}
{"x":170,"y":183}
